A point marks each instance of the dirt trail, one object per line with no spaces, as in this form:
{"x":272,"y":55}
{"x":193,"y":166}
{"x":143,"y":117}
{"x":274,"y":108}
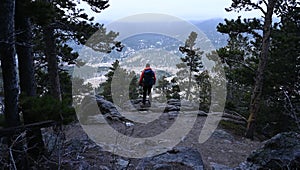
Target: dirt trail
{"x":221,"y":148}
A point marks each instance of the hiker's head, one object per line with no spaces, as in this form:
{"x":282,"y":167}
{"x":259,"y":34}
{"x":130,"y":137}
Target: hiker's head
{"x":147,"y":65}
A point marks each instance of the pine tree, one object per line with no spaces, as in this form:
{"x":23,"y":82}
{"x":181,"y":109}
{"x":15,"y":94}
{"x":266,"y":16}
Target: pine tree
{"x":24,"y":49}
{"x":56,"y":28}
{"x":133,"y":86}
{"x":240,"y":62}
{"x":124,"y":84}
{"x":164,"y":88}
{"x":174,"y":93}
{"x":264,"y":50}
{"x":203,"y":83}
{"x":8,"y":62}
{"x":10,"y":79}
{"x":282,"y":74}
{"x":259,"y":31}
{"x":106,"y":86}
{"x":192,"y":58}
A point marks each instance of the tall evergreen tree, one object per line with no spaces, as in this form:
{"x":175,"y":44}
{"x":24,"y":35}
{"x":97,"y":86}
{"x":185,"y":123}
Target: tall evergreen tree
{"x":192,"y":58}
{"x":163,"y":87}
{"x":203,"y":83}
{"x":259,"y":39}
{"x":239,"y":59}
{"x":282,"y":74}
{"x":106,"y":86}
{"x":121,"y":78}
{"x":60,"y":22}
{"x":267,"y":8}
{"x":8,"y":62}
{"x":10,"y":79}
{"x":24,"y":49}
{"x":26,"y":73}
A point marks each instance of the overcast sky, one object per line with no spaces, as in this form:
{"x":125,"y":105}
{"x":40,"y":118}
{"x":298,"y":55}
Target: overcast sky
{"x":184,"y":9}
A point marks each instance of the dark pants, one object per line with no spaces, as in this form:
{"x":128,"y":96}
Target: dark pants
{"x":146,"y":91}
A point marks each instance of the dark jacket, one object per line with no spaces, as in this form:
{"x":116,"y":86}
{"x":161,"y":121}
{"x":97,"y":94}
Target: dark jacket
{"x":145,"y":79}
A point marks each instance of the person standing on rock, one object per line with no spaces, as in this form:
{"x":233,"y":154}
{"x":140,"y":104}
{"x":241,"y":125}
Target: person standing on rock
{"x":147,"y":80}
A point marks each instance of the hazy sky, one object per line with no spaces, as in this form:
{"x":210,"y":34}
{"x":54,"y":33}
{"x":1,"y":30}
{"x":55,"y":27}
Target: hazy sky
{"x":184,"y":9}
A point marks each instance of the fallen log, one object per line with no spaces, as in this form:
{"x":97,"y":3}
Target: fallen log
{"x":16,"y":129}
{"x":235,"y":117}
{"x":234,"y":121}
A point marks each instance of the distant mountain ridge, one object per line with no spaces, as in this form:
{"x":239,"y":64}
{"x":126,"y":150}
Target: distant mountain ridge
{"x":161,"y":51}
{"x":144,"y":41}
{"x":208,"y":27}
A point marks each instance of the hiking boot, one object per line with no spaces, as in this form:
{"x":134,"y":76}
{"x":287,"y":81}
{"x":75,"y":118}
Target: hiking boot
{"x":149,"y":103}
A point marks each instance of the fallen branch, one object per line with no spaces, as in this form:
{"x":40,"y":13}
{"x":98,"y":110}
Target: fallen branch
{"x":234,"y":121}
{"x":231,"y":116}
{"x":13,"y":130}
{"x":22,"y":135}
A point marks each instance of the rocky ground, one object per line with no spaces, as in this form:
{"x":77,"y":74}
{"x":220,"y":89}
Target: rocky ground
{"x":162,"y":137}
{"x":222,"y":149}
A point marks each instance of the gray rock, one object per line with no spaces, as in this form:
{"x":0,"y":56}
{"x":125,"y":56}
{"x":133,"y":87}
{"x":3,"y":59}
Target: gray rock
{"x":107,"y":107}
{"x":176,"y":105}
{"x":189,"y":105}
{"x":174,"y":102}
{"x":280,"y":152}
{"x":202,"y":113}
{"x":222,"y":135}
{"x":95,"y":105}
{"x":173,"y":114}
{"x":215,"y":166}
{"x":177,"y":158}
{"x":83,"y":165}
{"x":170,"y":108}
{"x":162,"y":167}
{"x":122,"y":164}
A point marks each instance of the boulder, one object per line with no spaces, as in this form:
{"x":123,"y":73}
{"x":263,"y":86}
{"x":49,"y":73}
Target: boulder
{"x":202,"y":113}
{"x":177,"y":158}
{"x":95,"y":105}
{"x":171,"y":108}
{"x":215,"y":166}
{"x":280,"y":152}
{"x":174,"y":102}
{"x":184,"y":105}
{"x":107,"y":107}
{"x":221,"y":134}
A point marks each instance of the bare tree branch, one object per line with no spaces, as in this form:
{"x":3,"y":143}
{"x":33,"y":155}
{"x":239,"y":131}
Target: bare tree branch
{"x":254,"y":5}
{"x":22,"y":135}
{"x":265,"y":2}
{"x":242,"y":63}
{"x":292,"y":108}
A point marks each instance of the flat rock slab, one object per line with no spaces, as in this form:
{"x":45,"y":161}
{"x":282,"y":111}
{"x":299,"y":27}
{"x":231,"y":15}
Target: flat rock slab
{"x":177,"y":158}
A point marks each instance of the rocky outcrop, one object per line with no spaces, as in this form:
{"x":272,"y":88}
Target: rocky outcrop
{"x":177,"y":158}
{"x":280,"y":152}
{"x":183,"y":105}
{"x":95,"y":105}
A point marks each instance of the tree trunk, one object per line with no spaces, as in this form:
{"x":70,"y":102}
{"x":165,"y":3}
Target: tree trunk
{"x":263,"y":58}
{"x":50,"y":52}
{"x":25,"y":56}
{"x":189,"y":85}
{"x":26,"y":74}
{"x":8,"y":62}
{"x":10,"y":79}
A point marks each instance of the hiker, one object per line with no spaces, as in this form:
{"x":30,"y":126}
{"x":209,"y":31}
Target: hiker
{"x":147,"y":80}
